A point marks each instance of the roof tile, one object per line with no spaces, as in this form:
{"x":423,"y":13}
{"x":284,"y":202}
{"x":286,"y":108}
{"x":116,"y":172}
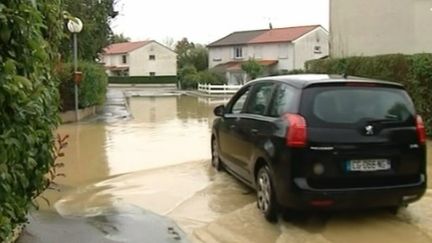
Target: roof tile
{"x":125,"y":47}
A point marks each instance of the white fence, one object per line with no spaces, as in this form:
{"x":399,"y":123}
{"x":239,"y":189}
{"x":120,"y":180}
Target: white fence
{"x":218,"y":89}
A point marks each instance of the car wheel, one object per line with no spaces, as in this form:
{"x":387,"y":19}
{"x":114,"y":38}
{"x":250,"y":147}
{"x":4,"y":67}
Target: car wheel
{"x":395,"y":209}
{"x":216,"y":162}
{"x":266,"y":199}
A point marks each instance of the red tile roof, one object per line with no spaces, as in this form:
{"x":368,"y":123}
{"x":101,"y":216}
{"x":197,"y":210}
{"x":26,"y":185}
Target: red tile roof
{"x":125,"y":47}
{"x":236,"y":65}
{"x":282,"y":34}
{"x":287,"y":34}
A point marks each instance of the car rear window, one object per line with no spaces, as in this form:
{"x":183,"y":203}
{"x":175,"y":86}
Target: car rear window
{"x":351,"y":105}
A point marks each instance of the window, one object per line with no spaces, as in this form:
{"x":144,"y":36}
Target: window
{"x":317,"y":49}
{"x":283,"y":51}
{"x":152,"y":57}
{"x":283,"y":101}
{"x":258,"y":52}
{"x":237,"y":106}
{"x":216,"y":52}
{"x":238,"y":52}
{"x":124,"y":59}
{"x":152,"y":74}
{"x":260,"y":98}
{"x":351,"y":105}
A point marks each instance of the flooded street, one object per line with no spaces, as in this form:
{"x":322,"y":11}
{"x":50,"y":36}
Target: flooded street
{"x":159,"y":160}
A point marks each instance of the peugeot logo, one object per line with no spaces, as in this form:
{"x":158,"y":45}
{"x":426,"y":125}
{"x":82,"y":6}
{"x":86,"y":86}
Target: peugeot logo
{"x":369,"y":130}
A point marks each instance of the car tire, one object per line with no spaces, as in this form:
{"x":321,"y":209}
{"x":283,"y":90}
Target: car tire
{"x":215,"y":159}
{"x":395,"y":209}
{"x":266,"y":199}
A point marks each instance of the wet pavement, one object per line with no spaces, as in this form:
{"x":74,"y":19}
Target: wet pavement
{"x":129,"y":175}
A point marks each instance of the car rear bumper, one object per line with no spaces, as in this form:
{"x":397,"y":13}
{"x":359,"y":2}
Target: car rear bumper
{"x":303,"y":196}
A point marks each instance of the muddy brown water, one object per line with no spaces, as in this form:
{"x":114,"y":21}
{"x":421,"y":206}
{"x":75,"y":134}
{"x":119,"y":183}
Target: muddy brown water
{"x":160,"y":161}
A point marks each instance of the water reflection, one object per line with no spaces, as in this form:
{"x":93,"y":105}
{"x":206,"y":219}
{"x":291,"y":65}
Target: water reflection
{"x":85,"y":156}
{"x":165,"y":131}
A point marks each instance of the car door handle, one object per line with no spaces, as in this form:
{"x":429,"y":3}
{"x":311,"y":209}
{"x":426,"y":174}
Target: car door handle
{"x":232,"y":126}
{"x":254,"y":131}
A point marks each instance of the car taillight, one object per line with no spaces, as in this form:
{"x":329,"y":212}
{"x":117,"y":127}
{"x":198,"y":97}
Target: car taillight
{"x":296,"y":135}
{"x":421,"y":132}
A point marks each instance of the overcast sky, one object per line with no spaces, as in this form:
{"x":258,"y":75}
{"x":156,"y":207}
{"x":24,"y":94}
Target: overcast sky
{"x":205,"y":21}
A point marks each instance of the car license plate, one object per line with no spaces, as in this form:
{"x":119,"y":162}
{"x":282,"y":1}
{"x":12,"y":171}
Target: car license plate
{"x":368,"y":165}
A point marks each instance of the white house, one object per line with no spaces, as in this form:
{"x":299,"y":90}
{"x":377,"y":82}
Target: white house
{"x":279,"y":50}
{"x":375,"y":27}
{"x":143,"y":58}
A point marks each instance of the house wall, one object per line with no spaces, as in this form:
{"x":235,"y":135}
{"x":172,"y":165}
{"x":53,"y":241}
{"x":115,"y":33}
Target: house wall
{"x":359,"y":27}
{"x":283,"y":52}
{"x":304,"y":47}
{"x":165,"y":62}
{"x":115,"y":60}
{"x":222,"y":54}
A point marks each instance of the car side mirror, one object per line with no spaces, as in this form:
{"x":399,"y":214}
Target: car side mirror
{"x":219,"y":110}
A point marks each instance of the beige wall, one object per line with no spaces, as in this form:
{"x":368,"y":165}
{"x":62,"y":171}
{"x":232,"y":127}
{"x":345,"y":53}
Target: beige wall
{"x":277,"y":51}
{"x":115,"y":60}
{"x":305,"y":47}
{"x":373,"y":27}
{"x":164,"y":64}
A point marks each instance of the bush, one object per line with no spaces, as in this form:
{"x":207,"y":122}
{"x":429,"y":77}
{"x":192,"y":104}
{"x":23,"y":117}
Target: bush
{"x":412,"y":71}
{"x":142,"y":80}
{"x":191,"y":80}
{"x":287,"y":72}
{"x":92,"y":89}
{"x":28,"y":104}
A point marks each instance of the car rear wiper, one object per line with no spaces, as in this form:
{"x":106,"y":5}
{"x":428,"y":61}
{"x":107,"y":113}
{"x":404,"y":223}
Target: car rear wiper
{"x":388,"y":119}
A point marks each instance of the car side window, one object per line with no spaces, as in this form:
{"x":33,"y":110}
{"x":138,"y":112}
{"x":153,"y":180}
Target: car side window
{"x":238,"y":104}
{"x":283,"y":101}
{"x":260,"y":99}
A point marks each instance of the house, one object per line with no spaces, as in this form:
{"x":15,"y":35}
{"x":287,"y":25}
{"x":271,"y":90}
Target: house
{"x":142,"y":58}
{"x":279,"y":50}
{"x":366,"y":28}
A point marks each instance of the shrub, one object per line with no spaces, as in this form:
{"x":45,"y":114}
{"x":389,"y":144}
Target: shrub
{"x":142,"y":79}
{"x":28,"y":104}
{"x":211,"y":78}
{"x":253,"y":68}
{"x":413,"y":71}
{"x":191,"y":80}
{"x":92,"y":89}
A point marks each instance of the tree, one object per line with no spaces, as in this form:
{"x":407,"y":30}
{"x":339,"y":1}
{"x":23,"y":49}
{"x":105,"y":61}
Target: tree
{"x":183,"y":48}
{"x":192,"y":54}
{"x":198,"y":57}
{"x":169,"y":42}
{"x":119,"y":38}
{"x":96,"y":17}
{"x":252,"y":68}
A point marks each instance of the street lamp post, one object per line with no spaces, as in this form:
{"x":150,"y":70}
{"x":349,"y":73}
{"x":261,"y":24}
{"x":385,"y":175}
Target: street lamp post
{"x":75,"y":26}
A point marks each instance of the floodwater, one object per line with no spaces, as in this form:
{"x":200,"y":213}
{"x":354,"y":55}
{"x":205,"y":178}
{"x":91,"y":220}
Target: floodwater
{"x":160,"y":161}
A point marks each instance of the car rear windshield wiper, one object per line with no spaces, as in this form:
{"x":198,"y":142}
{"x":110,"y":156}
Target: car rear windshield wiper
{"x":387,"y":119}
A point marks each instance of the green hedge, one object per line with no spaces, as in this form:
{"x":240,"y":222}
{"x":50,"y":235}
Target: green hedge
{"x":28,"y":104}
{"x":142,"y":79}
{"x":92,"y":89}
{"x":413,"y":71}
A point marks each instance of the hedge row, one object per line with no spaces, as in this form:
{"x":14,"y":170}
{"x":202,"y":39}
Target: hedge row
{"x":413,"y":71}
{"x":29,"y":34}
{"x":142,"y":79}
{"x":92,"y":89}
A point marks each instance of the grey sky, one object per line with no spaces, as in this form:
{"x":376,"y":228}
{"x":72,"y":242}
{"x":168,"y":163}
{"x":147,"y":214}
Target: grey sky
{"x":205,"y":21}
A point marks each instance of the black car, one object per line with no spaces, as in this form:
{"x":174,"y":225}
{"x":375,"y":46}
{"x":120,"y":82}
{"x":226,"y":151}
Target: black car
{"x":322,"y":142}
